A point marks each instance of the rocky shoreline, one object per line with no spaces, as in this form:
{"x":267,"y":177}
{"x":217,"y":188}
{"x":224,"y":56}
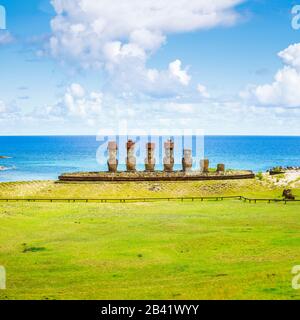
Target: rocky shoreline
{"x":285,"y":177}
{"x":2,"y":168}
{"x":286,"y":168}
{"x":282,"y":170}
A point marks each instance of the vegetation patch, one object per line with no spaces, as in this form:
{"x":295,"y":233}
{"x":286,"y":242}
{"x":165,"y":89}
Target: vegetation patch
{"x":33,"y":249}
{"x":189,"y":250}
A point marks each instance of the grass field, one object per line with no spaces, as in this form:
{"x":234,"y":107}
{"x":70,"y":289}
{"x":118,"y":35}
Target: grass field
{"x":200,"y":250}
{"x":50,"y":189}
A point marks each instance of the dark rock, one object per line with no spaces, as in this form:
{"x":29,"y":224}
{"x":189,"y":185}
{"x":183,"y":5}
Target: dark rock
{"x":288,"y":195}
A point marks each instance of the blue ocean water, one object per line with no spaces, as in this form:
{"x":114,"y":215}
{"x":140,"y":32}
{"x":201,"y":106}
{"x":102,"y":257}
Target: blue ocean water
{"x":39,"y":158}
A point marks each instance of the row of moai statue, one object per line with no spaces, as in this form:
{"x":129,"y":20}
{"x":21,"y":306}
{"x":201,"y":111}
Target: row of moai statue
{"x":150,"y":161}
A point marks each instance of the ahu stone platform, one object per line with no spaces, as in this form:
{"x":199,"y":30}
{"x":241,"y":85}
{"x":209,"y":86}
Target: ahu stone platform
{"x":126,"y":176}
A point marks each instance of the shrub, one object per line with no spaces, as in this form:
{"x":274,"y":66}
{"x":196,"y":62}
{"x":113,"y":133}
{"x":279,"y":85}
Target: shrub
{"x":260,"y":176}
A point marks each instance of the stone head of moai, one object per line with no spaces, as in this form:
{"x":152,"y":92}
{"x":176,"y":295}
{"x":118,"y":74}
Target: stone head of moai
{"x":130,"y":160}
{"x":150,"y":159}
{"x":169,"y":155}
{"x":187,"y":160}
{"x":112,"y":161}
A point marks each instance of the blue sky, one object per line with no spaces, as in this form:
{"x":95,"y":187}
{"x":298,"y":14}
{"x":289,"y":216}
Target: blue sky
{"x":217,"y":76}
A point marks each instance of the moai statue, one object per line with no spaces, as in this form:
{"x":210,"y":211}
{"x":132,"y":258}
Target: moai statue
{"x":150,"y":160}
{"x":204,"y":165}
{"x":221,"y":168}
{"x":112,"y":161}
{"x":130,"y":160}
{"x":187,"y":160}
{"x":169,"y":156}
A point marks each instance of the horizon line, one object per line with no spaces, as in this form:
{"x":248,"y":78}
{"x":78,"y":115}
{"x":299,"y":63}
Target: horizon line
{"x":207,"y":135}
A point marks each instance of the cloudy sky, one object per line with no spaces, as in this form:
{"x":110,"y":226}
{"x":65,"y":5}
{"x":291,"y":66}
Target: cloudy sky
{"x":78,"y":66}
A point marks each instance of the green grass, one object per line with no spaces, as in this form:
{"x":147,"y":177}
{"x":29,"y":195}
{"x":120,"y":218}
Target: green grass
{"x":50,"y":189}
{"x":199,"y":250}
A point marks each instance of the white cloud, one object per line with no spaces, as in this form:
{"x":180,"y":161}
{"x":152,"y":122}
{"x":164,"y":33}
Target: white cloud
{"x":180,"y":108}
{"x":291,"y":55}
{"x":82,"y":28}
{"x":178,"y":73}
{"x":120,"y":37}
{"x":214,"y":116}
{"x":147,"y":39}
{"x":76,"y":90}
{"x":80,"y":104}
{"x":284,"y":90}
{"x":167,"y":79}
{"x":2,"y":107}
{"x":76,"y":102}
{"x":115,"y":52}
{"x":136,"y":80}
{"x":8,"y":110}
{"x":6,"y":38}
{"x":203,"y":91}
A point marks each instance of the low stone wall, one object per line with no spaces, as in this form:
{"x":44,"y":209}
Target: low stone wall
{"x":153,"y":176}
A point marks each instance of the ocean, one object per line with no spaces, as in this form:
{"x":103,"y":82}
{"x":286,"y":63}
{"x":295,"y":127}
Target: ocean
{"x":46,"y":157}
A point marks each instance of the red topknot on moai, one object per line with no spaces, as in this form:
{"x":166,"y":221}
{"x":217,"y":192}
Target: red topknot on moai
{"x":150,"y":159}
{"x":169,"y":156}
{"x":130,"y":160}
{"x":112,"y":161}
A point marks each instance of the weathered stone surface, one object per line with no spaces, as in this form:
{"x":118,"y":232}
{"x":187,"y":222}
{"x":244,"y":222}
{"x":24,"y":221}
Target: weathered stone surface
{"x":204,"y":165}
{"x":169,"y":156}
{"x":221,"y":168}
{"x":150,"y":159}
{"x":288,"y":195}
{"x":187,"y":160}
{"x":155,"y":188}
{"x":131,"y":159}
{"x":112,"y":161}
{"x":154,"y":176}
